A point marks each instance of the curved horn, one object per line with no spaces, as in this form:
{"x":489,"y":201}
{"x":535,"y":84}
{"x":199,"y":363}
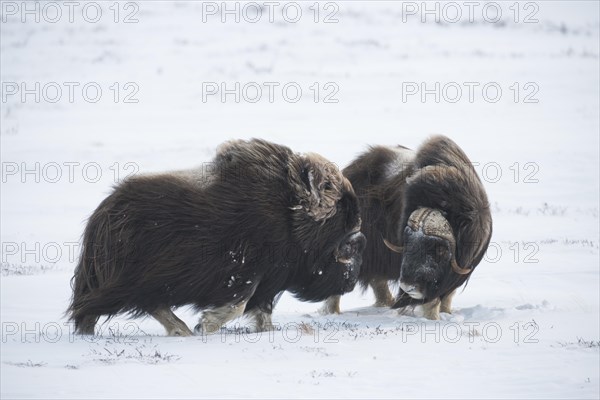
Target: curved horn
{"x":418,"y":217}
{"x":392,"y":247}
{"x":455,"y":266}
{"x":458,"y":269}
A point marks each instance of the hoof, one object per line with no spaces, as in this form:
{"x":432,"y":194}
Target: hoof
{"x":180,"y":332}
{"x":385,"y":303}
{"x":198,"y":329}
{"x":205,"y":329}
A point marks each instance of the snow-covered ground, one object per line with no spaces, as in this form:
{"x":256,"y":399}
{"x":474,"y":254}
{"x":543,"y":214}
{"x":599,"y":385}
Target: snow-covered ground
{"x":527,"y":325}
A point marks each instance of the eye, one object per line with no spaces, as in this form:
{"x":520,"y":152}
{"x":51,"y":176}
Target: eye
{"x":327,"y":185}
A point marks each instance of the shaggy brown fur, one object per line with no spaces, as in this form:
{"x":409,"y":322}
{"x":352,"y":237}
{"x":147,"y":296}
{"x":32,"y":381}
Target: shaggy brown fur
{"x":391,"y":184}
{"x":264,"y":220}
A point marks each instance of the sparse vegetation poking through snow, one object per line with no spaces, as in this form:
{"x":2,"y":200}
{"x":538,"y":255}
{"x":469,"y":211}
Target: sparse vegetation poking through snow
{"x":29,"y":363}
{"x":7,"y":269}
{"x":144,"y":353}
{"x":120,"y":348}
{"x":581,"y":343}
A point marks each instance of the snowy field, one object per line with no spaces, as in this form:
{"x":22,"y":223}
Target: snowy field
{"x":86,"y":103}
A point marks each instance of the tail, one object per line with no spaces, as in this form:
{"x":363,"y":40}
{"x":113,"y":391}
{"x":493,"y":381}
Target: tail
{"x":93,"y":283}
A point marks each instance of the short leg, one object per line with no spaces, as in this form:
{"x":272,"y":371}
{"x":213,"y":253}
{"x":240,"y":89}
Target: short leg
{"x":431,"y":310}
{"x":213,"y":320}
{"x":331,"y":306}
{"x":446,"y":306}
{"x":86,"y":325}
{"x":262,"y":319}
{"x":383,"y":296}
{"x":173,"y":325}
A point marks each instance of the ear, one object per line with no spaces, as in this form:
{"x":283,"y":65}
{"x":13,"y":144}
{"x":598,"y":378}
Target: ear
{"x":317,"y":186}
{"x":308,"y":179}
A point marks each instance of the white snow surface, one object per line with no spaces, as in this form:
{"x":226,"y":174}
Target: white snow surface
{"x":526,"y":325}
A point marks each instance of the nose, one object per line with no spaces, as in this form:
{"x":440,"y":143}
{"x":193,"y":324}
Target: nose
{"x":352,"y":245}
{"x":409,"y":288}
{"x":412,"y":290}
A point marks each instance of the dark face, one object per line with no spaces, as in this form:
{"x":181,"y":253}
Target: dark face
{"x":347,"y":254}
{"x":333,"y":268}
{"x":425,"y":263}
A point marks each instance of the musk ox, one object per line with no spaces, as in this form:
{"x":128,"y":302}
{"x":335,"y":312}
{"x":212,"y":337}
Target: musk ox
{"x":427,"y":220}
{"x":227,"y":241}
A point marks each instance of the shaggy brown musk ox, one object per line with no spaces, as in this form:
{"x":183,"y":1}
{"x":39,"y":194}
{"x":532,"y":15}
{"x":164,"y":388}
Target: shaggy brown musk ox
{"x":262,"y":221}
{"x":427,"y":220}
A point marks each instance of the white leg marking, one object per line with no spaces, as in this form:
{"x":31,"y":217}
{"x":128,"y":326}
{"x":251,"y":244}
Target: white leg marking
{"x":213,"y":320}
{"x":446,"y":306}
{"x":383,"y":296}
{"x":262,"y":319}
{"x":431,"y":310}
{"x":331,"y":306}
{"x":173,"y":325}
